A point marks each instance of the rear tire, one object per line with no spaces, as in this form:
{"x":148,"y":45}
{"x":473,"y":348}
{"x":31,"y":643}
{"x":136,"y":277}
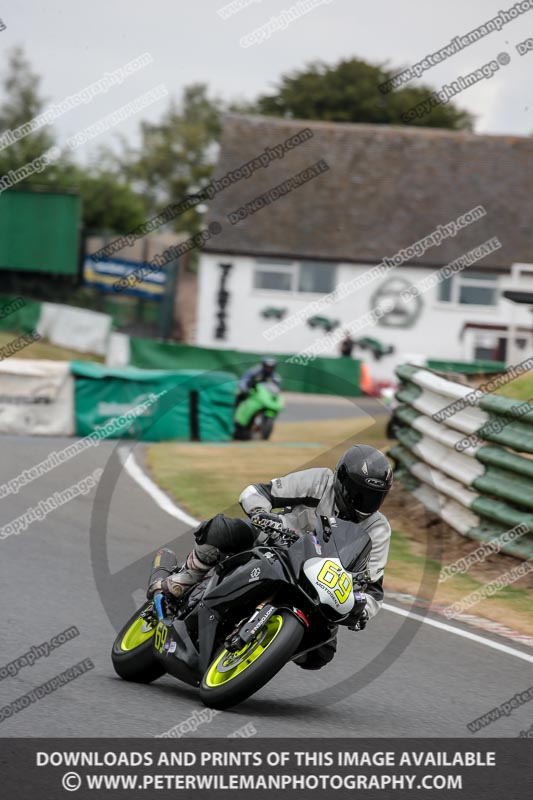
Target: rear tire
{"x":132,"y":661}
{"x":274,"y":656}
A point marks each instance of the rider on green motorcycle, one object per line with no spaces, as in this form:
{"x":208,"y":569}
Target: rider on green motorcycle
{"x":261,"y":373}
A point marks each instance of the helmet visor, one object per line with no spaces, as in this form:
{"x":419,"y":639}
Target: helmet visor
{"x":358,"y":499}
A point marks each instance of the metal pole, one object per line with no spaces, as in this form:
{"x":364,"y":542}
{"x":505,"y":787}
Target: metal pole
{"x":166,"y":315}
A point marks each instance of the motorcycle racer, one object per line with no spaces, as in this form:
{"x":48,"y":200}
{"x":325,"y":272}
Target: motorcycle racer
{"x":265,"y":371}
{"x":355,"y":492}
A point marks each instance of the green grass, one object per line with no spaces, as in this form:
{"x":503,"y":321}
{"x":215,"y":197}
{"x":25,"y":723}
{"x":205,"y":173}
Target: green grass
{"x":43,"y":349}
{"x":410,"y":573}
{"x":519,"y":389}
{"x":207,"y":479}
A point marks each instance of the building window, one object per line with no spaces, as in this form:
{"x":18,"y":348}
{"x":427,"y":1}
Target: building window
{"x":274,"y":275}
{"x":315,"y":277}
{"x":490,"y":347}
{"x":469,"y":288}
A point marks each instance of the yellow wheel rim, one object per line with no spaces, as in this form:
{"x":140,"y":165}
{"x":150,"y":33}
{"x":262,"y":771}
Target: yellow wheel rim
{"x":138,"y":633}
{"x":228,"y":665}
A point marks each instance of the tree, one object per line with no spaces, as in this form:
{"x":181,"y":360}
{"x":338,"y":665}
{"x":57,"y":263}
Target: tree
{"x":349,"y":92}
{"x":23,"y":102}
{"x":176,"y":155}
{"x":108,"y":203}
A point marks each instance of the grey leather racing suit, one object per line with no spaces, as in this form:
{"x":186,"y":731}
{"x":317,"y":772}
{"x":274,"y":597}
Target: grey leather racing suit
{"x":309,"y":493}
{"x":302,"y":496}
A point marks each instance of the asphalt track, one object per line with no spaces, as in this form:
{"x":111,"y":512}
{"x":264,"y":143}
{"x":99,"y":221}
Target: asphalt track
{"x":398,"y":678}
{"x":308,"y":408}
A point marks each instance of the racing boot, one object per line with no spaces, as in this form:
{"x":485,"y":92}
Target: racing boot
{"x":176,"y":581}
{"x":164,"y":563}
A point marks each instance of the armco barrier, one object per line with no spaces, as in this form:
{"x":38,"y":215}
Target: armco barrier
{"x":470,"y":465}
{"x":479,"y":367}
{"x":19,"y":315}
{"x":79,"y":329}
{"x":321,"y":376}
{"x":36,"y":397}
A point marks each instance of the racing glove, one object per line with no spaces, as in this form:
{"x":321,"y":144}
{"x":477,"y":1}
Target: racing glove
{"x":361,"y":623}
{"x":359,"y":617}
{"x":270,"y":524}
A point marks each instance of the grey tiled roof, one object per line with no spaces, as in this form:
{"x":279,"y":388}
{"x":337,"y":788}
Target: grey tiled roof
{"x":387,"y":187}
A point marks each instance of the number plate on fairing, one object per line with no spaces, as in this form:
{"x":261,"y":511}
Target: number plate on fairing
{"x":333,"y":584}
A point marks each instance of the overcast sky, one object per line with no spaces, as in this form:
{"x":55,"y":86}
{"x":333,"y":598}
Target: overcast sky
{"x":72,"y":43}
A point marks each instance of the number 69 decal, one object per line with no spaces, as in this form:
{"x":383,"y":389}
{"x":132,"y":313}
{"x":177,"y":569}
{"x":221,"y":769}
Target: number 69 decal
{"x":332,"y":575}
{"x":333,"y":584}
{"x":160,"y":637}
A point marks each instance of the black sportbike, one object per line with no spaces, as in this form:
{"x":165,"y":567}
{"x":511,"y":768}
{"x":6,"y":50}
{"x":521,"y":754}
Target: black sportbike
{"x":251,"y":614}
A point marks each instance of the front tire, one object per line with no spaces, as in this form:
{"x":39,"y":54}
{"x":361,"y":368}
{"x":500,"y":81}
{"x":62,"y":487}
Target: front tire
{"x":233,"y":677}
{"x":132,"y":654}
{"x":267,"y":427}
{"x":242,"y":433}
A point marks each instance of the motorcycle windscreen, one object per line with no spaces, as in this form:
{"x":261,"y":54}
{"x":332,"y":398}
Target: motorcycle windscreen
{"x":347,"y":540}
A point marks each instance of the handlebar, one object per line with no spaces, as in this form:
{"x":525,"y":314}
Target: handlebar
{"x":289,"y":535}
{"x":273,"y":527}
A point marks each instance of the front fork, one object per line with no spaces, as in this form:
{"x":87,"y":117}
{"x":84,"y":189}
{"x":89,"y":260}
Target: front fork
{"x":248,"y":629}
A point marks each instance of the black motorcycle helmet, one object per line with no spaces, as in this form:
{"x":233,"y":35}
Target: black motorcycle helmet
{"x":362,"y":480}
{"x":269,"y":365}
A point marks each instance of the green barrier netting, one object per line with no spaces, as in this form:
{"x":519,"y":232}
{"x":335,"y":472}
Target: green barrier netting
{"x":497,"y":457}
{"x":484,"y":532}
{"x":408,"y":393}
{"x":492,"y":403}
{"x":407,"y":371}
{"x":515,"y":435}
{"x":506,"y":485}
{"x":408,"y":436}
{"x":501,"y":512}
{"x":486,"y":454}
{"x":408,"y":481}
{"x":18,"y":320}
{"x":519,"y":548}
{"x":507,"y":407}
{"x":495,"y":482}
{"x":466,"y":367}
{"x":407,"y":414}
{"x":503,"y":430}
{"x":195,"y":405}
{"x":496,"y":517}
{"x":404,"y":456}
{"x":321,"y":376}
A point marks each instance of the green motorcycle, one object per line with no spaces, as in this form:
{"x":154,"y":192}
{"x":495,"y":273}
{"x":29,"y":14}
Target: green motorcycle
{"x":254,"y":416}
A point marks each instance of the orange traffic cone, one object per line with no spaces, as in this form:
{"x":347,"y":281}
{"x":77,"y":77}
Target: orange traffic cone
{"x":365,"y":382}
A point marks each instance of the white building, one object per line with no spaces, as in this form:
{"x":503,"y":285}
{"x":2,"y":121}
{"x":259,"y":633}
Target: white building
{"x":419,"y":198}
